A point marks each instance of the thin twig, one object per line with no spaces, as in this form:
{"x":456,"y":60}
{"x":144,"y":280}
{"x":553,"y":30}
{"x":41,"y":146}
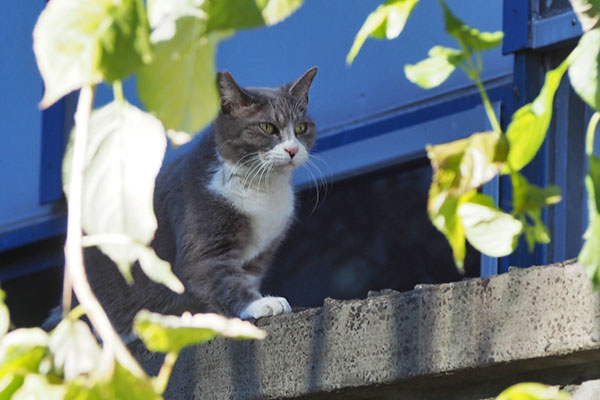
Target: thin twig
{"x":591,"y":131}
{"x":162,"y":380}
{"x":112,"y":344}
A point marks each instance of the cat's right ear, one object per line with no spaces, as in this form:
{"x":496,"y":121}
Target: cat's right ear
{"x":233,"y":98}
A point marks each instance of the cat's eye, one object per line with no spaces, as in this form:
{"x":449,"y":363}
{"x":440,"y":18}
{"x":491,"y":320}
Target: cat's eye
{"x":268,"y":128}
{"x":300,"y":128}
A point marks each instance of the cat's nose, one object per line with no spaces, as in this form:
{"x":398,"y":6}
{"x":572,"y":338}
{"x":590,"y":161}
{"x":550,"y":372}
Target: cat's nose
{"x":292,"y":150}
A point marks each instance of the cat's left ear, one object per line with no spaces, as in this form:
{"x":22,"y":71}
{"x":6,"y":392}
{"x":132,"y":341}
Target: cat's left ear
{"x":299,"y":89}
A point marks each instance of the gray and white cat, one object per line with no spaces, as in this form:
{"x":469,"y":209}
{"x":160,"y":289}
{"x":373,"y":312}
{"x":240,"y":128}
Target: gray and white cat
{"x":222,"y":209}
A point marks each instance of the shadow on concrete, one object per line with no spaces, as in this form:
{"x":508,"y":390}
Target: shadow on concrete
{"x":244,"y":370}
{"x":318,"y":340}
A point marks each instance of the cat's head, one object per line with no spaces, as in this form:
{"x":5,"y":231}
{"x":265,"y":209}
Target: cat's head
{"x":265,"y":124}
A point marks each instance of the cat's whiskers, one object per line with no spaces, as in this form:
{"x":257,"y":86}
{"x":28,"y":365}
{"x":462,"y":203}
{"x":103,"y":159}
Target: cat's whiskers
{"x":241,"y":163}
{"x":252,"y":170}
{"x":316,"y":185}
{"x":322,"y":183}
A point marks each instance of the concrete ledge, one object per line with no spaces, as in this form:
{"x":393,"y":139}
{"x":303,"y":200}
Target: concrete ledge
{"x":463,"y":340}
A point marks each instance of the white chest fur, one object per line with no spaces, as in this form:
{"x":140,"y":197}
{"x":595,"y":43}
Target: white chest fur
{"x":269,"y":206}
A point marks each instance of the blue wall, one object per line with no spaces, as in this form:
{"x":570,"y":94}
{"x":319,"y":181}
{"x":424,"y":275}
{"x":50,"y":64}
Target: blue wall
{"x":368,"y":109}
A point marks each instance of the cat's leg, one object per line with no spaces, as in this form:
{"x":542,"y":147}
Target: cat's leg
{"x":267,"y":305}
{"x":219,"y":285}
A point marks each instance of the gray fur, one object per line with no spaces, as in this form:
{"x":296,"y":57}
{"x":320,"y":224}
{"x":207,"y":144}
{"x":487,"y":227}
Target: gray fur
{"x":199,"y":232}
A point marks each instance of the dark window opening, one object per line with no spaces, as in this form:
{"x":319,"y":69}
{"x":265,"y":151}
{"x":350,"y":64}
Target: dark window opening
{"x":371,"y":232}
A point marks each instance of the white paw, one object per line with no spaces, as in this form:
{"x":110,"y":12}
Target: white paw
{"x":266,"y":307}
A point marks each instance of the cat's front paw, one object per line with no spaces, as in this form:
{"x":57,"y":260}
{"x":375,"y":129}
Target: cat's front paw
{"x":266,"y":307}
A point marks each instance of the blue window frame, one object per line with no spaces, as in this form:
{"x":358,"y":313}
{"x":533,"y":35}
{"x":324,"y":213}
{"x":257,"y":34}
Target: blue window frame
{"x":541,"y":36}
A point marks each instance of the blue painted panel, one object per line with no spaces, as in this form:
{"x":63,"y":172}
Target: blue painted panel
{"x":21,"y":87}
{"x":321,"y":33}
{"x":53,"y":146}
{"x":516,"y":16}
{"x":41,"y":229}
{"x":555,"y":29}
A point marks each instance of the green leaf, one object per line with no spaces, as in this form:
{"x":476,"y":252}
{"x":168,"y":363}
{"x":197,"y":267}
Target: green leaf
{"x":594,"y":174}
{"x":9,"y":384}
{"x":275,"y":11}
{"x":38,"y":387}
{"x":167,"y":333}
{"x":164,"y":14}
{"x":529,"y":124}
{"x":247,"y":15}
{"x":77,"y":43}
{"x":534,"y":228}
{"x":584,"y":68}
{"x":528,"y":197}
{"x":466,"y":164}
{"x":488,"y":229}
{"x":444,"y":216}
{"x":387,"y":21}
{"x":533,"y":391}
{"x":22,"y":350}
{"x":433,"y":71}
{"x":528,"y":201}
{"x":471,"y":39}
{"x":119,"y":178}
{"x":589,"y":256}
{"x":588,"y":13}
{"x":74,"y":348}
{"x":121,"y":384}
{"x":157,"y":269}
{"x":178,"y":86}
{"x":4,"y":315}
{"x":459,"y":168}
{"x":119,"y":185}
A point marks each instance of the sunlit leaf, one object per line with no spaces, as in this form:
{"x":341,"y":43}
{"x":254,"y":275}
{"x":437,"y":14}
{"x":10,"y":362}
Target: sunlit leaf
{"x":528,"y":197}
{"x":275,"y":11}
{"x":77,"y":43}
{"x":472,"y":39}
{"x":4,"y":315}
{"x":119,"y":185}
{"x":589,"y":256}
{"x":584,"y":69}
{"x":74,"y":348}
{"x":9,"y":384}
{"x":466,"y":164}
{"x":594,"y":174}
{"x":164,"y":333}
{"x":157,"y":269}
{"x":529,"y":124}
{"x":122,"y":384}
{"x":178,"y":86}
{"x":22,"y":350}
{"x":164,"y":13}
{"x":489,"y":230}
{"x":387,"y":21}
{"x":528,"y":201}
{"x":588,"y":13}
{"x":247,"y":15}
{"x":37,"y":387}
{"x":533,"y":391}
{"x":443,"y":213}
{"x":459,"y":168}
{"x":534,"y":229}
{"x":434,"y":71}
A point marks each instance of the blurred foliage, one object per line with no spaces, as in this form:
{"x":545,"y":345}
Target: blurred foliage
{"x":170,"y":45}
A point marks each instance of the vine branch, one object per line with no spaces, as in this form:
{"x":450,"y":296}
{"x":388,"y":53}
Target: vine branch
{"x":74,"y":267}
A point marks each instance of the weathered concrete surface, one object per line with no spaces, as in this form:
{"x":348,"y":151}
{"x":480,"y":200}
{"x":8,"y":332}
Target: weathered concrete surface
{"x":464,"y":340}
